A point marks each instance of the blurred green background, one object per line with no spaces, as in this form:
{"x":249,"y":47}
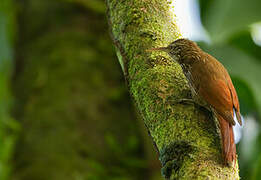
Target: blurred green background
{"x":65,"y":112}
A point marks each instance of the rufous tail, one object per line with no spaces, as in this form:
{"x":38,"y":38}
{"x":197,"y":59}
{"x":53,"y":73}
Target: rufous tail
{"x":228,"y":143}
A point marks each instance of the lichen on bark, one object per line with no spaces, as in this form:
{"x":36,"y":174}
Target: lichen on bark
{"x":186,"y":136}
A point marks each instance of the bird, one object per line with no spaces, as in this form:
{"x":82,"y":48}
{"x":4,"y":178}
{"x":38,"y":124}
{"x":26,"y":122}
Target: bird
{"x":211,"y":87}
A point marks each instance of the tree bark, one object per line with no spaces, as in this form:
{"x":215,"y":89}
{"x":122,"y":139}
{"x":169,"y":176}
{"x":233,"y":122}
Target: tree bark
{"x":186,"y":137}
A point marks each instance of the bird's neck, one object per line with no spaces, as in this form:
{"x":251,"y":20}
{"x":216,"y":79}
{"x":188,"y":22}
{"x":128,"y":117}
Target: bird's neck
{"x":191,"y":54}
{"x":188,"y":58}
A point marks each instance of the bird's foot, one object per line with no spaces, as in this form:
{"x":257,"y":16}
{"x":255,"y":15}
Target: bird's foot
{"x":204,"y":108}
{"x":186,"y":101}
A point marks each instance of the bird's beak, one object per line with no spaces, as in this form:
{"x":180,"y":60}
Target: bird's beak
{"x":157,"y":49}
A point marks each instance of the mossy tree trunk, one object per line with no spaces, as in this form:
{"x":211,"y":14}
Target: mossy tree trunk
{"x":186,"y":137}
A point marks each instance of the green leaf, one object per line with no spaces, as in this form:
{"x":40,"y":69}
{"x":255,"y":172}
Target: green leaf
{"x":204,"y":6}
{"x":243,"y":41}
{"x":224,"y":17}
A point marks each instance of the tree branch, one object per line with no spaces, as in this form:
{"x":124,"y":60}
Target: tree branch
{"x":187,"y":138}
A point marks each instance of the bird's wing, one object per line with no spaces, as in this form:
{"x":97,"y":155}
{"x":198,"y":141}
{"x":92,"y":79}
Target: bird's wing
{"x":218,"y":94}
{"x":235,"y":100}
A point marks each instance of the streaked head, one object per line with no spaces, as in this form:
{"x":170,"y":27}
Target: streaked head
{"x":178,"y":48}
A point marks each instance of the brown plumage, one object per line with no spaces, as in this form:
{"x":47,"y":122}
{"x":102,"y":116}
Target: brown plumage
{"x":211,"y":86}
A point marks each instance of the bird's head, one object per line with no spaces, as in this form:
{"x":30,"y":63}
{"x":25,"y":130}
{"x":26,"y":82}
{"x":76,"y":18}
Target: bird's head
{"x":179,"y":49}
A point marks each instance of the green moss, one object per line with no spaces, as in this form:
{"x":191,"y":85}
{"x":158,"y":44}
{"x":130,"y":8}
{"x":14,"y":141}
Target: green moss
{"x":156,"y":83}
{"x":172,"y":157}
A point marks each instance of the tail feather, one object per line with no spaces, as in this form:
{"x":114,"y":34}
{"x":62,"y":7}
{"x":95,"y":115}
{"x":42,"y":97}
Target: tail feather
{"x":232,"y":143}
{"x":228,"y":143}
